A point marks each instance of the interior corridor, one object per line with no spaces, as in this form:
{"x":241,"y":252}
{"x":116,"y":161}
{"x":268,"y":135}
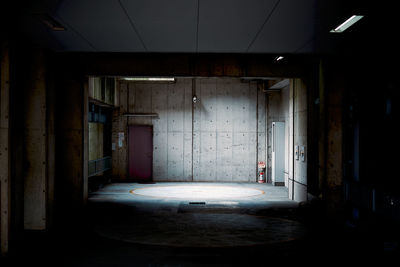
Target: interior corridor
{"x":199,"y":132}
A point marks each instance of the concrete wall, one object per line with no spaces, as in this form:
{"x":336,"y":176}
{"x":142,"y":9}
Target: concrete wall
{"x":30,"y":147}
{"x":71,"y":146}
{"x":225,"y":131}
{"x":289,"y":105}
{"x":298,"y":119}
{"x":214,"y":139}
{"x":35,"y":144}
{"x":285,"y":103}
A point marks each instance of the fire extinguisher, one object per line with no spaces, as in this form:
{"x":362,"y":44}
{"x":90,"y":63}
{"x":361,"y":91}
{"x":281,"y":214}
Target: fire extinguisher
{"x":261,"y":172}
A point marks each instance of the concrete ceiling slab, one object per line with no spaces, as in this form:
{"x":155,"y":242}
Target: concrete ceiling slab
{"x":103,"y":24}
{"x":231,"y":26}
{"x":190,"y":26}
{"x":290,"y":27}
{"x":165,"y":26}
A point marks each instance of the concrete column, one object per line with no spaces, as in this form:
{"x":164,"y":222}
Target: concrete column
{"x":35,"y":144}
{"x":291,"y":139}
{"x":298,"y":135}
{"x":71,"y":146}
{"x":5,"y":185}
{"x":300,"y":139}
{"x":335,"y":87}
{"x":51,"y":146}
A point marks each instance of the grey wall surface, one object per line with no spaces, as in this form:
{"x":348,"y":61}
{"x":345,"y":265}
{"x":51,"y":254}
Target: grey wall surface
{"x":289,"y":105}
{"x":218,"y":138}
{"x":226,"y":131}
{"x":298,"y":120}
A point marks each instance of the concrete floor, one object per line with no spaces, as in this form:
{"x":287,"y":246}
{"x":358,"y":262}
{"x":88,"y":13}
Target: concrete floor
{"x":125,"y":229}
{"x":194,"y":214}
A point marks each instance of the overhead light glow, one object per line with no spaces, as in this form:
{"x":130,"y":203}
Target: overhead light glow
{"x":162,"y":79}
{"x":345,"y":25}
{"x":279,"y":58}
{"x":153,"y":79}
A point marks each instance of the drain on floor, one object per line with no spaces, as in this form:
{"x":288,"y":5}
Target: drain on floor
{"x":197,"y":203}
{"x":208,"y":207}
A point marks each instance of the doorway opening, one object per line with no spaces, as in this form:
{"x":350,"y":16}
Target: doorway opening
{"x":140,"y":153}
{"x":204,"y":130}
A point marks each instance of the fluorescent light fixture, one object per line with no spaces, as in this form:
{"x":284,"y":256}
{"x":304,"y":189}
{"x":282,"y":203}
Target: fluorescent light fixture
{"x":152,"y":79}
{"x":279,"y":58}
{"x":350,"y":21}
{"x":162,"y":79}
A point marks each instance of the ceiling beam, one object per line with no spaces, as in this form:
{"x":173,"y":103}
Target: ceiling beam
{"x":186,"y":65}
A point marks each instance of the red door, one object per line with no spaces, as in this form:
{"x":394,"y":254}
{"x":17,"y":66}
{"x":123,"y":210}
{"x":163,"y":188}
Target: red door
{"x":141,"y":153}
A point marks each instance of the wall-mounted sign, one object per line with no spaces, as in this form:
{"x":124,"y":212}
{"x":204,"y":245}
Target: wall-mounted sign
{"x":120,"y":139}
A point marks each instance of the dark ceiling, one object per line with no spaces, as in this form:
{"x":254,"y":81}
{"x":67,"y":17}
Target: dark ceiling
{"x":203,"y":26}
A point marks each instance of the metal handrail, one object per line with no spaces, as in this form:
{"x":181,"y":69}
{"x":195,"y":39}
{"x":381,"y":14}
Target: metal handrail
{"x":99,"y":165}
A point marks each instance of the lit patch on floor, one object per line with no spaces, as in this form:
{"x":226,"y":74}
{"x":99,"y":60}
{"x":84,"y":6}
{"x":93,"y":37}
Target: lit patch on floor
{"x":203,"y":192}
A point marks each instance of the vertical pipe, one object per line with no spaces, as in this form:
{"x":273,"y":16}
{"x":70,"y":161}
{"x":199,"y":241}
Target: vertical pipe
{"x":85,"y":140}
{"x":126,"y":131}
{"x":256,"y":131}
{"x":193,"y":94}
{"x":5,"y":185}
{"x":293,"y":117}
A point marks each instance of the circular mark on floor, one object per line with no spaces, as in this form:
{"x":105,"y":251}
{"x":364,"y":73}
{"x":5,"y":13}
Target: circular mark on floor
{"x":203,"y":230}
{"x":197,"y":192}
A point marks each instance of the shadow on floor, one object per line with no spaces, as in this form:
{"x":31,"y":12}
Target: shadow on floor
{"x":323,"y":242}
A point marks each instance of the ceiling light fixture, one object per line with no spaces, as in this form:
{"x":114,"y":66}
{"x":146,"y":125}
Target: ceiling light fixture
{"x":50,"y":22}
{"x":345,"y":25}
{"x":162,"y":79}
{"x":278,"y":58}
{"x":152,"y":79}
